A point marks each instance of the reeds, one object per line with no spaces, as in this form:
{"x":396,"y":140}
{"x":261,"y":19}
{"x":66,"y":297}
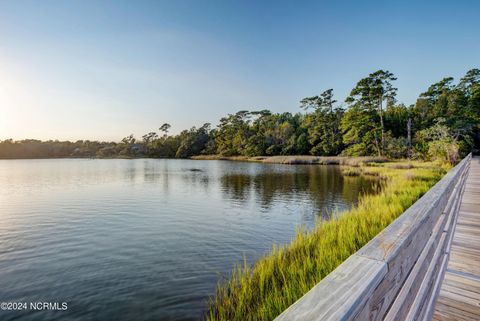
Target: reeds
{"x":299,"y":159}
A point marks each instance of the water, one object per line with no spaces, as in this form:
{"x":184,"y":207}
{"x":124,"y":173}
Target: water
{"x":147,"y":239}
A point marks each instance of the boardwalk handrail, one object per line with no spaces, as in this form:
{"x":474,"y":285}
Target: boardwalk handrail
{"x":396,"y":275}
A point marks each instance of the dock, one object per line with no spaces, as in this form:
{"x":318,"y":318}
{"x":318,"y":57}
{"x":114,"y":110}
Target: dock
{"x":459,"y":297}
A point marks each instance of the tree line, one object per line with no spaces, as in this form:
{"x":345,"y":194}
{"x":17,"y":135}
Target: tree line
{"x":444,"y":123}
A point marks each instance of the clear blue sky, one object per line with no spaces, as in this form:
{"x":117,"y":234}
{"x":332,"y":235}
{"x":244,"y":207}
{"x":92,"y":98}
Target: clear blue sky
{"x":105,"y":69}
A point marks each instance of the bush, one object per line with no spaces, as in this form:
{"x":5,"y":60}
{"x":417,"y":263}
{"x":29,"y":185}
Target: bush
{"x":359,"y":149}
{"x":443,"y":150}
{"x":396,"y":147}
{"x":437,"y":143}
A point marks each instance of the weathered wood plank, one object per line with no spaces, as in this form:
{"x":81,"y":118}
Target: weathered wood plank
{"x":435,"y":245}
{"x":426,"y":288}
{"x":430,"y":305}
{"x":340,"y":294}
{"x":459,"y":297}
{"x":428,"y":308}
{"x":467,"y":282}
{"x":405,"y":247}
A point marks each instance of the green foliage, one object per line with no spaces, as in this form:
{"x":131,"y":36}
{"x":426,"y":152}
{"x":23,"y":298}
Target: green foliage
{"x":365,"y":121}
{"x":323,"y":125}
{"x":361,"y":132}
{"x":193,"y":142}
{"x":443,"y":150}
{"x":395,"y":147}
{"x":437,"y":143}
{"x":457,"y":106}
{"x":233,"y":133}
{"x":396,"y":119}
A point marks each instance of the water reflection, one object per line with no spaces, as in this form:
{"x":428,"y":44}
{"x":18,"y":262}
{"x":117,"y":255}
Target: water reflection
{"x":147,"y":239}
{"x":324,"y":186}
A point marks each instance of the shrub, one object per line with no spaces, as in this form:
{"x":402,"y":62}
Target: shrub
{"x":437,"y":143}
{"x":396,"y":147}
{"x":443,"y":150}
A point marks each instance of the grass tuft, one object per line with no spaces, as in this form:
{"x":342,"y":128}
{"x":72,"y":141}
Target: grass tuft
{"x":351,"y":171}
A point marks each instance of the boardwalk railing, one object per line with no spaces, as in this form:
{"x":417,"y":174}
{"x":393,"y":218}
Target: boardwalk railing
{"x":397,"y":275}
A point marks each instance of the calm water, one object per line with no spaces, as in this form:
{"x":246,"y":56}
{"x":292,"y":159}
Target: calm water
{"x":147,"y":239}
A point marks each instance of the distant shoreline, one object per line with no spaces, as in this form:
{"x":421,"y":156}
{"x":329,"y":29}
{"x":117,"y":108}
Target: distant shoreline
{"x":72,"y":157}
{"x":285,"y":159}
{"x":298,"y":159}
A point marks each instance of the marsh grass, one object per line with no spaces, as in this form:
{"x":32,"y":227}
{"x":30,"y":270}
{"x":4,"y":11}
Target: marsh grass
{"x":299,"y":159}
{"x":264,"y":290}
{"x":351,"y":171}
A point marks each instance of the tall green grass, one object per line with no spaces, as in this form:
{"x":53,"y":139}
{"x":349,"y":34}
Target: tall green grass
{"x":277,"y":280}
{"x":299,"y":159}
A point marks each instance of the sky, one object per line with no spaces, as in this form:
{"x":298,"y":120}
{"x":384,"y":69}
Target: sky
{"x":106,"y":69}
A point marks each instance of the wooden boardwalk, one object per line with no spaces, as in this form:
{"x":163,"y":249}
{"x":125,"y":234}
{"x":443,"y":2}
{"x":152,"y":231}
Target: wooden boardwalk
{"x":459,"y":297}
{"x":424,"y":265}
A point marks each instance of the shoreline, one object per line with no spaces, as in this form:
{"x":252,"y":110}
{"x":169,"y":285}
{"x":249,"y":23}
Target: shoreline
{"x":299,"y":159}
{"x":279,"y":159}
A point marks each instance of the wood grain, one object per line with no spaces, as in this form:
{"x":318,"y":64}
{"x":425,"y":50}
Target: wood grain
{"x":459,"y":297}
